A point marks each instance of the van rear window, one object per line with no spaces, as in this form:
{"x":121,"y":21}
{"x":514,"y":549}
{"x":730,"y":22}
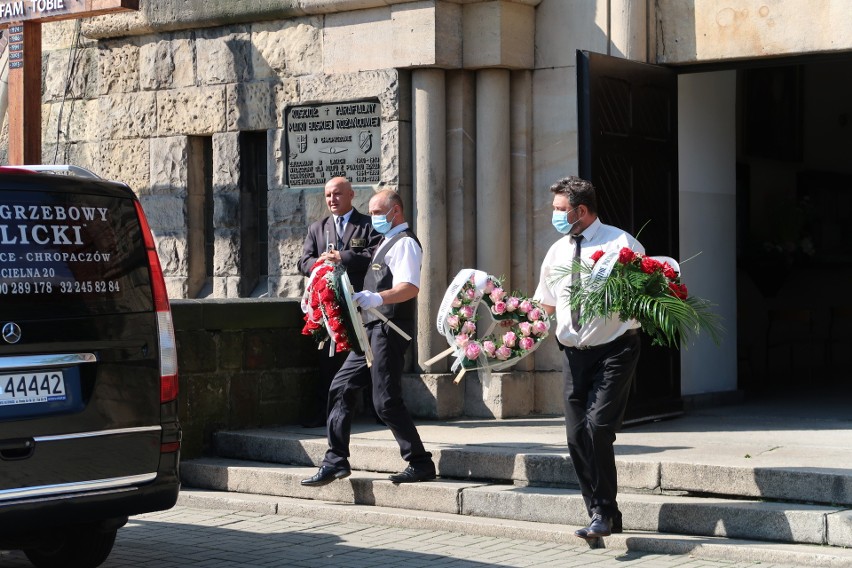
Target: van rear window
{"x":70,"y":254}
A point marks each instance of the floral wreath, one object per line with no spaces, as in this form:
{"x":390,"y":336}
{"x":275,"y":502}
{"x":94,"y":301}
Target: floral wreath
{"x":324,"y":305}
{"x":642,"y":288}
{"x":521,"y":324}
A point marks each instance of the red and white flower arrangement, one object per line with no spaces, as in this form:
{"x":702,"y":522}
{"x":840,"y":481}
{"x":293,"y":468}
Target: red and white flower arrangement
{"x":323,"y":304}
{"x":643,"y":288}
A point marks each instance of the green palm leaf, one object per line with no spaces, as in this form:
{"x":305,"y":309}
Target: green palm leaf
{"x":629,"y":293}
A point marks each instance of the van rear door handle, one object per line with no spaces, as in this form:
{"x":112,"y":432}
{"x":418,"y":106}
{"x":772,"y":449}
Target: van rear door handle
{"x":16,"y":448}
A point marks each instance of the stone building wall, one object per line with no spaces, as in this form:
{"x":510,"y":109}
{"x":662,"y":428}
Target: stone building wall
{"x":479,"y":116}
{"x":128,"y":108}
{"x":240,"y":365}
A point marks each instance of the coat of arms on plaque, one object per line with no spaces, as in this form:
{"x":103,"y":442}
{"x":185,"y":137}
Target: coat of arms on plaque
{"x":365,"y":140}
{"x":302,"y":140}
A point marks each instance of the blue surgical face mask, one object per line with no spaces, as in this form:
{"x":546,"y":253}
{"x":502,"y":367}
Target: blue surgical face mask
{"x":381,"y":223}
{"x":560,"y":221}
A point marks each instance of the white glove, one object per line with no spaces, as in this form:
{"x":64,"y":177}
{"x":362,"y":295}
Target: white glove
{"x":366,"y":299}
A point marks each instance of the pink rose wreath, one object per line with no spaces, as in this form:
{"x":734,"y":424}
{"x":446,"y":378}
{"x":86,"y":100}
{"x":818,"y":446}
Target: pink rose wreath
{"x":515,"y":325}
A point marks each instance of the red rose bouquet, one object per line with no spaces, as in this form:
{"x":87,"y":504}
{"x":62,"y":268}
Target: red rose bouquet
{"x":643,"y":288}
{"x":324,"y":306}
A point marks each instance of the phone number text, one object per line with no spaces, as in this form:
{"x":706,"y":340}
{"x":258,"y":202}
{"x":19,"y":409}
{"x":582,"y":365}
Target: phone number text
{"x":61,"y":287}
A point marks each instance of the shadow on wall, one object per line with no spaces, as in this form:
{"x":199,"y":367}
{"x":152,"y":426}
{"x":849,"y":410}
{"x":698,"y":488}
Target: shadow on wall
{"x":241,"y":364}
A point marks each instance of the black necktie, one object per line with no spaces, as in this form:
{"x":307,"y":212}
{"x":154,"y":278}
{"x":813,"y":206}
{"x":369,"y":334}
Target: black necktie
{"x":575,"y":276}
{"x":340,"y":233}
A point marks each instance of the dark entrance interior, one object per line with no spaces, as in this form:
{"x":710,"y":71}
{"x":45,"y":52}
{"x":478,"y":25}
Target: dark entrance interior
{"x":794,"y":219}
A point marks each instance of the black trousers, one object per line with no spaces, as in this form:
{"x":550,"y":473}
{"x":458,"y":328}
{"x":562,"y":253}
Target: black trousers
{"x":317,"y":405}
{"x":597,"y":385}
{"x":385,"y":376}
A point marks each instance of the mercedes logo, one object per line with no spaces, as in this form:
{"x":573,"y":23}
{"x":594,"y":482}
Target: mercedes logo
{"x":11,"y":332}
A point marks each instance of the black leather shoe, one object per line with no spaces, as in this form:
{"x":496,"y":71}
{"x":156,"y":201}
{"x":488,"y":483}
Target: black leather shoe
{"x":412,"y":475}
{"x":617,"y":523}
{"x":599,"y":527}
{"x":326,"y":475}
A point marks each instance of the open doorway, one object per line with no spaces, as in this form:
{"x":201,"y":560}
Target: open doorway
{"x":794,"y":223}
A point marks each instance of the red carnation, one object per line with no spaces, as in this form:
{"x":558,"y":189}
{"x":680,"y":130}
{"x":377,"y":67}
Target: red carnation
{"x":679,"y":290}
{"x":668,"y":271}
{"x":317,"y":315}
{"x":327,"y":295}
{"x":596,"y":256}
{"x":626,"y":256}
{"x":310,"y":327}
{"x":332,"y":310}
{"x":649,"y":265}
{"x":335,"y":324}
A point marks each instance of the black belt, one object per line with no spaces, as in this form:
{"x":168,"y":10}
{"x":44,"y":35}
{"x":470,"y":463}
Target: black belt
{"x":628,"y":333}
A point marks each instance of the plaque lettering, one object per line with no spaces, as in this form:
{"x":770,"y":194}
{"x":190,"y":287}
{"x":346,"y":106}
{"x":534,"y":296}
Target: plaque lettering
{"x":339,"y":139}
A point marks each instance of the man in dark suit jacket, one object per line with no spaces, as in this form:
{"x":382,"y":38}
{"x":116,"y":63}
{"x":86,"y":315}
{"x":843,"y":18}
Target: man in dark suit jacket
{"x":346,"y":236}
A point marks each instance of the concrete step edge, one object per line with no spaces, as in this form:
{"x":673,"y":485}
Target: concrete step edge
{"x":710,"y":548}
{"x":750,"y":519}
{"x":536,"y":468}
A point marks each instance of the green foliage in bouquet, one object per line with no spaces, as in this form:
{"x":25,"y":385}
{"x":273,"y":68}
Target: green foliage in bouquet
{"x":642,"y":288}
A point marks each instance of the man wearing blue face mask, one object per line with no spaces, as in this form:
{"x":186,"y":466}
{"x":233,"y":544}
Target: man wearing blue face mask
{"x":599,"y":357}
{"x":390,"y":287}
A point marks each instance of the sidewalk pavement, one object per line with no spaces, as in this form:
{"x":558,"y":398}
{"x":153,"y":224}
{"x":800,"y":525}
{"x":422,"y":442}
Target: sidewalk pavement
{"x":185,"y":536}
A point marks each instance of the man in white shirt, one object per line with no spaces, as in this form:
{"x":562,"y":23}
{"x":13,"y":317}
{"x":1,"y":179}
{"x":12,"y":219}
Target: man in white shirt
{"x":599,"y":356}
{"x":390,"y":287}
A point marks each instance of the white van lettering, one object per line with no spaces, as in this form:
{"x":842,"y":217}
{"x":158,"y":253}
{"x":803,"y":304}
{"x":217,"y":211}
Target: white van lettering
{"x":41,"y":234}
{"x":35,"y":234}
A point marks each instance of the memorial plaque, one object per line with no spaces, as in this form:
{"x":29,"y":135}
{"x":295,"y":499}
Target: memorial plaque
{"x":331,"y":140}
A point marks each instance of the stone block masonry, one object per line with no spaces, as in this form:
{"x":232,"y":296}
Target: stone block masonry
{"x":241,"y":365}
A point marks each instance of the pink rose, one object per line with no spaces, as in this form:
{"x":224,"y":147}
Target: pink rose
{"x":512,"y":304}
{"x":468,"y":328}
{"x":470,"y":294}
{"x":472,"y":350}
{"x":467,"y":312}
{"x":462,"y":340}
{"x":525,"y":306}
{"x":497,"y":294}
{"x":526,"y":343}
{"x":489,"y":348}
{"x":509,"y":339}
{"x":539,"y":327}
{"x":489,"y":286}
{"x":525,"y":327}
{"x":535,"y":314}
{"x":453,"y":321}
{"x":456,"y":303}
{"x":503,"y":353}
{"x":499,"y":308}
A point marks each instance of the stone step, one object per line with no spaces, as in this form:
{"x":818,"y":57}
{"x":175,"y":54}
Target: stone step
{"x":697,"y":547}
{"x":551,"y":466}
{"x":699,"y":516}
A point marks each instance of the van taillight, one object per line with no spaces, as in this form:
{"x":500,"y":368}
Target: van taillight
{"x":168,"y":346}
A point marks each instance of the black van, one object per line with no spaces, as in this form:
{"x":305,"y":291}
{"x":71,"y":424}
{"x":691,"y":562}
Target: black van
{"x":89,"y":431}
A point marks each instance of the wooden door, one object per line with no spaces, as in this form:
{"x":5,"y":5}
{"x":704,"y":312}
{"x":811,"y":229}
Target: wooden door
{"x":627,"y":126}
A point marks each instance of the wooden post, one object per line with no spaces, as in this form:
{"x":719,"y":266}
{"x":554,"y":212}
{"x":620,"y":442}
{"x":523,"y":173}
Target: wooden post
{"x":24,"y":20}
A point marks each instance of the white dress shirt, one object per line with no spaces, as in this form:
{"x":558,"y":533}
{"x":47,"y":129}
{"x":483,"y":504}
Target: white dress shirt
{"x":596,"y":237}
{"x":403,"y":258}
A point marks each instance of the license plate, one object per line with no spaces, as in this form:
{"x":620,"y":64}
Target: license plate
{"x":32,"y":387}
